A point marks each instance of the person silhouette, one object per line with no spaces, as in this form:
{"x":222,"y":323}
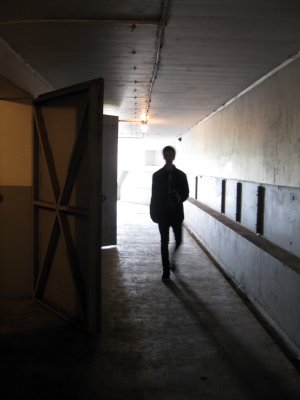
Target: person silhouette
{"x":169,"y":190}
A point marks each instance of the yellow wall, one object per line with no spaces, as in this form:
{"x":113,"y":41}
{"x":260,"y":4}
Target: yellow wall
{"x":16,"y":238}
{"x":15,"y":144}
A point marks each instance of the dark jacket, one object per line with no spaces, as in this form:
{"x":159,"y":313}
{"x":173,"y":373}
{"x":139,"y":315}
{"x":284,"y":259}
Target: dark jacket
{"x":164,"y":200}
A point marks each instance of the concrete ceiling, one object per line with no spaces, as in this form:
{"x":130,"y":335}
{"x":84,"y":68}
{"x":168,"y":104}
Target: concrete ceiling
{"x":175,"y":60}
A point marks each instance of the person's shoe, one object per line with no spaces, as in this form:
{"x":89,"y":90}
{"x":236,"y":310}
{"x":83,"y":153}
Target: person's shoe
{"x":165,"y":276}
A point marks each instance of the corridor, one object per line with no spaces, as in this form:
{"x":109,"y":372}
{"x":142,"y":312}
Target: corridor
{"x":188,"y":339}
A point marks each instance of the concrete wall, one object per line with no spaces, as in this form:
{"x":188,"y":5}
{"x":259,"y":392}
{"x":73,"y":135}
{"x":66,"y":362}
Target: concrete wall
{"x":281,"y":216}
{"x":256,"y":140}
{"x":16,"y":263}
{"x":15,"y":69}
{"x":268,"y":276}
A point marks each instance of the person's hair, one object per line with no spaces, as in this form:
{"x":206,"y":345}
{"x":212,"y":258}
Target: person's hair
{"x":169,"y":148}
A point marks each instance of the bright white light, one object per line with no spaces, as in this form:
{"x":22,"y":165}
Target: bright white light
{"x":144,"y":116}
{"x":130,"y":154}
{"x":144,"y":127}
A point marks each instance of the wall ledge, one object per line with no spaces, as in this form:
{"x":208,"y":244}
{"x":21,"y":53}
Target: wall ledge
{"x":278,"y":315}
{"x":288,"y":259}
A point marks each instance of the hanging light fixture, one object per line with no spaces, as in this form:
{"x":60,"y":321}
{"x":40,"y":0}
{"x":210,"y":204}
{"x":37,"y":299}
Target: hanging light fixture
{"x":142,"y":122}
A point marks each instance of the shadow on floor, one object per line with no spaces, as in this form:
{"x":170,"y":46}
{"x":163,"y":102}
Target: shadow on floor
{"x":258,"y":377}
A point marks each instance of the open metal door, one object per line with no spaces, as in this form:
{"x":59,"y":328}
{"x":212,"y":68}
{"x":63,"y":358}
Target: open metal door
{"x":67,"y":202}
{"x":109,"y":180}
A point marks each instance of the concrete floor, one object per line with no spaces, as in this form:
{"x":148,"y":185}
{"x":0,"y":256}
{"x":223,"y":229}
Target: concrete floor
{"x":191,"y":338}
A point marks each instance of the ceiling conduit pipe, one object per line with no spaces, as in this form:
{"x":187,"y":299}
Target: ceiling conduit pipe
{"x":160,"y":38}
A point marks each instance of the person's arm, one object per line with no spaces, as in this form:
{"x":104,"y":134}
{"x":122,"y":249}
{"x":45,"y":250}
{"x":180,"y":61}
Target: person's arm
{"x":185,"y":189}
{"x":154,"y":202}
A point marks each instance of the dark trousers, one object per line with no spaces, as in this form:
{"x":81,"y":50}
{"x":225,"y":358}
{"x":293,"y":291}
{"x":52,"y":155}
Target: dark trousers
{"x":164,"y":229}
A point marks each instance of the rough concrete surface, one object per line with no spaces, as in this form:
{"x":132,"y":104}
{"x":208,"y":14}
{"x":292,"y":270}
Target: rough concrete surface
{"x":190,"y":338}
